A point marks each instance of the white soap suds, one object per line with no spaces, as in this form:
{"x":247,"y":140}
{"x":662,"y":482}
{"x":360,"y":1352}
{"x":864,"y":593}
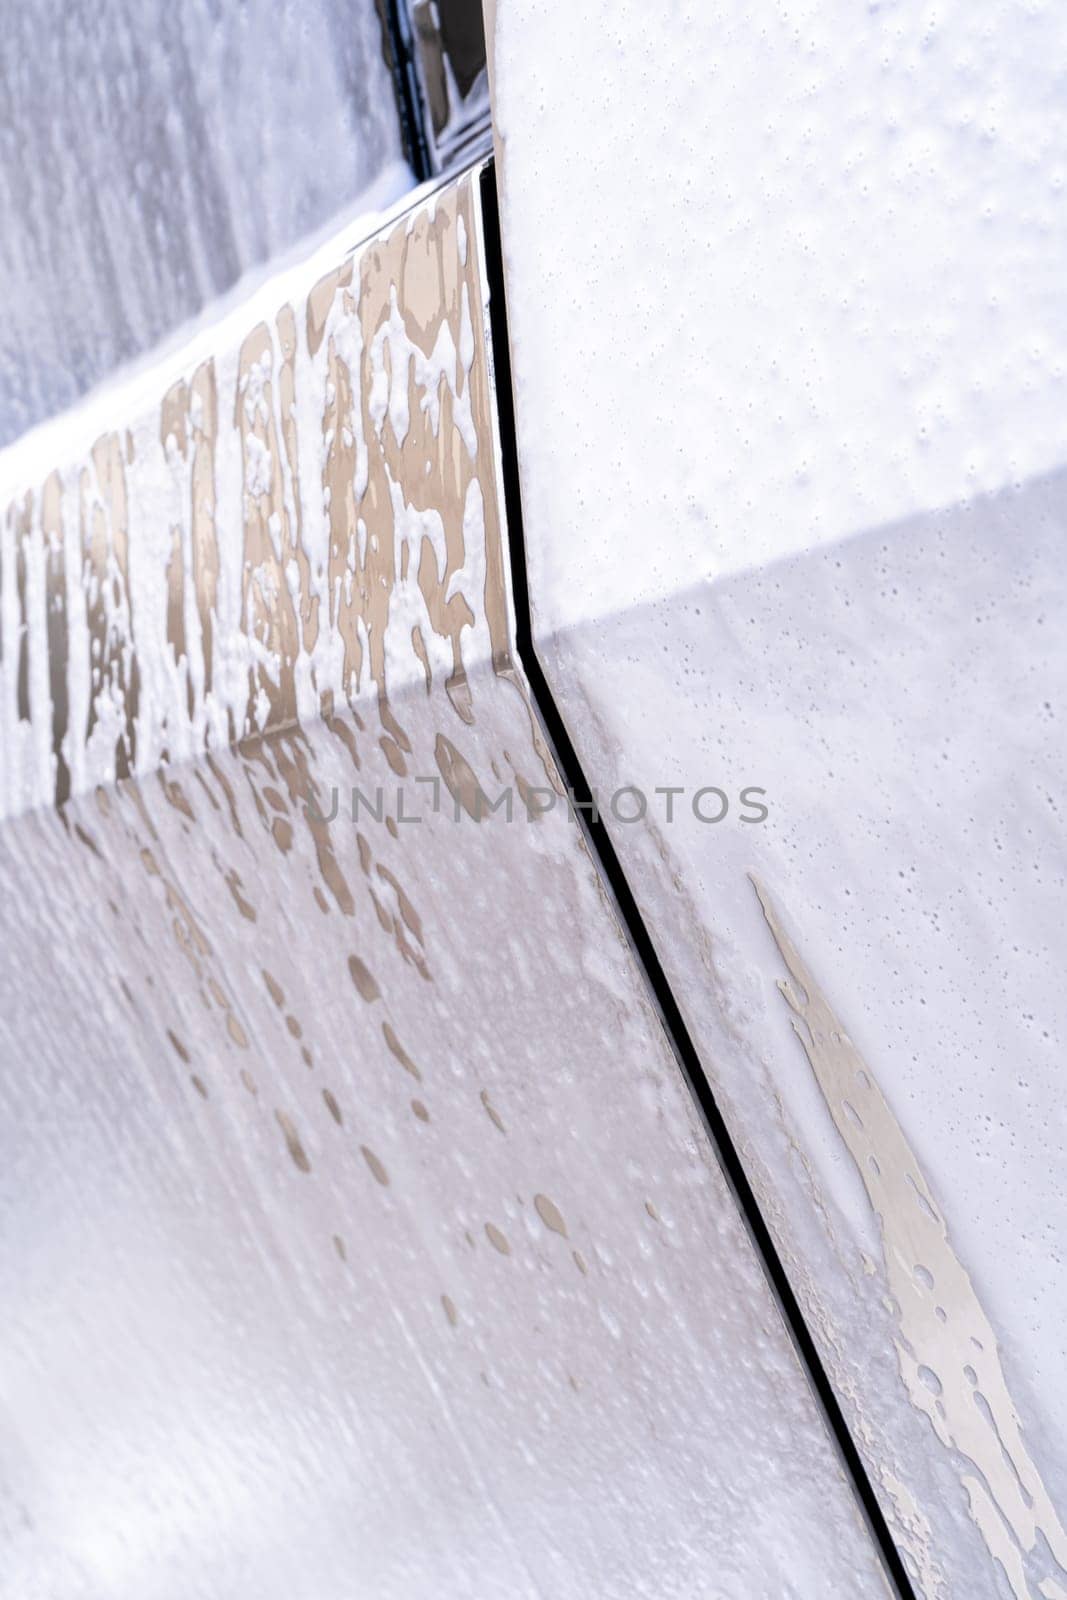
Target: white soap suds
{"x":790,"y":356}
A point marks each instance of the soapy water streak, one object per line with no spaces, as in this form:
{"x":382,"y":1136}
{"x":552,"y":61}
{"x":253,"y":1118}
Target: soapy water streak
{"x":948,"y":1354}
{"x":305,"y":518}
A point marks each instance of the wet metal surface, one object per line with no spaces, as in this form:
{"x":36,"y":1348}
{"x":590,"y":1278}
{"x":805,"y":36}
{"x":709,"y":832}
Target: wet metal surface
{"x":359,"y":1234}
{"x":153,"y":154}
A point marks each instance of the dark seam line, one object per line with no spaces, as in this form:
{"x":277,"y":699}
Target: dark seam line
{"x":603,"y":853}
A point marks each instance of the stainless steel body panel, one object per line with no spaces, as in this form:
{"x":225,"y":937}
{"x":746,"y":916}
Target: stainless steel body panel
{"x":360,"y":1235}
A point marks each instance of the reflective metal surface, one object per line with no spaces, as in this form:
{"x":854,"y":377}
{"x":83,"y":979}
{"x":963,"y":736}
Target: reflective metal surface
{"x":359,"y":1234}
{"x":450,"y":60}
{"x":788,"y":344}
{"x":152,"y":154}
